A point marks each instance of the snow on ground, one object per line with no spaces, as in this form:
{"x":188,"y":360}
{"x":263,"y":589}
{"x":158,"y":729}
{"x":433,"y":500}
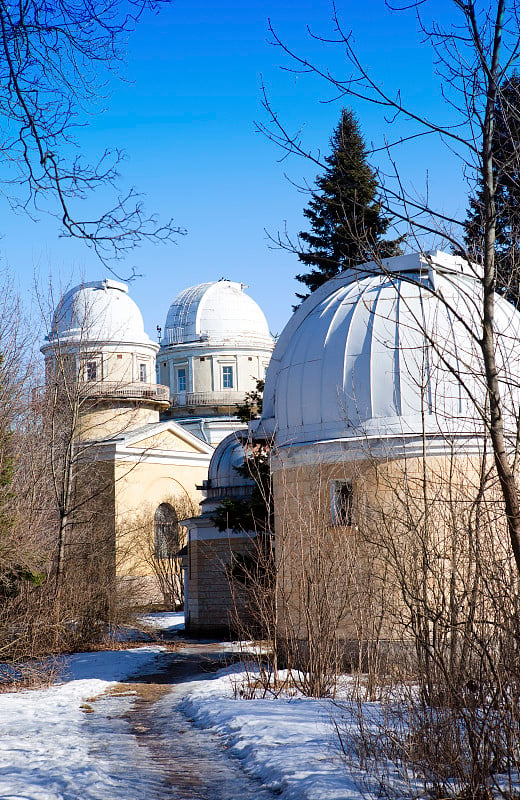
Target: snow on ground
{"x":53,"y":749}
{"x":289,"y":743}
{"x":164,"y":620}
{"x":109,"y":665}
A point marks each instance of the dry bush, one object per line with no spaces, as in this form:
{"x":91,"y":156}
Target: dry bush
{"x":252,"y":581}
{"x":318,"y":603}
{"x":450,"y":725}
{"x":331,"y":585}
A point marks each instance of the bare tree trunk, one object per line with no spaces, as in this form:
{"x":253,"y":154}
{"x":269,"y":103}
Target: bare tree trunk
{"x":476,"y":55}
{"x":496,"y":423}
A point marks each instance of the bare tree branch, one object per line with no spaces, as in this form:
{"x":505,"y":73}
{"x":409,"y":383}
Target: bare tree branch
{"x":55,"y":58}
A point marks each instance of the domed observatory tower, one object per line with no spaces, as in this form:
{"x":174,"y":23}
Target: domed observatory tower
{"x":130,"y":473}
{"x":97,"y":343}
{"x":216,"y":344}
{"x":373,"y":404}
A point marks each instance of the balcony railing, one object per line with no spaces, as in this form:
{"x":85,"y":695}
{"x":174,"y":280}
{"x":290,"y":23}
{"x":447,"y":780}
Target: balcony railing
{"x":128,"y":391}
{"x":94,"y":389}
{"x":192,"y":399}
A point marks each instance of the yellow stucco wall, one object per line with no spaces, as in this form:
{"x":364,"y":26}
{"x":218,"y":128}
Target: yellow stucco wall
{"x":204,"y":371}
{"x":139,"y":489}
{"x":117,"y":363}
{"x":123,"y":366}
{"x":124,"y":483}
{"x":411,"y":534}
{"x":202,"y":377}
{"x":103,"y":418}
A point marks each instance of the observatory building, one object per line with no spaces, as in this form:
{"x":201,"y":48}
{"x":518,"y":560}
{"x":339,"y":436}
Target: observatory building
{"x":215,"y":346}
{"x":211,"y":599}
{"x":377,"y":384}
{"x":142,"y":450}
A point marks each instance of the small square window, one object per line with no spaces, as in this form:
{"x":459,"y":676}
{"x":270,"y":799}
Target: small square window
{"x":341,"y":502}
{"x":227,"y":377}
{"x":142,"y":373}
{"x":91,"y":370}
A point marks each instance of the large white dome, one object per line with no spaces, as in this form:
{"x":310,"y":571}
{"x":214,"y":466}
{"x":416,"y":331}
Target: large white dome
{"x":217,"y":312}
{"x":99,"y":311}
{"x":384,"y":352}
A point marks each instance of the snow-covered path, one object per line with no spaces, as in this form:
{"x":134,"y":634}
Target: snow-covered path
{"x":52,"y":748}
{"x":94,"y":738}
{"x":97,"y":736}
{"x":187,"y":763}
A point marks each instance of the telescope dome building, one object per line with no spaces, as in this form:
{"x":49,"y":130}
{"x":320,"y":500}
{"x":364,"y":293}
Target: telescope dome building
{"x":373,"y":407}
{"x":214,"y":347}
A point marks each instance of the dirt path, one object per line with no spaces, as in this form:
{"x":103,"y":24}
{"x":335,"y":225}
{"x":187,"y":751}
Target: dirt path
{"x":182,"y":762}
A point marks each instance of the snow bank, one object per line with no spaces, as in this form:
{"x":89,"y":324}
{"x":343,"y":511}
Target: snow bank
{"x":163,"y":620}
{"x":288,"y":743}
{"x":53,"y":749}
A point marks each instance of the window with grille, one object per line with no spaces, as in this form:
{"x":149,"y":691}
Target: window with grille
{"x":142,"y":373}
{"x":91,"y":370}
{"x":341,"y":502}
{"x":181,"y":380}
{"x":227,"y":377}
{"x":166,"y":532}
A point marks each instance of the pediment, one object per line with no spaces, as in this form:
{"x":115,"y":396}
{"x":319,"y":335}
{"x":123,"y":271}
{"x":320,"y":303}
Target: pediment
{"x":171,"y":438}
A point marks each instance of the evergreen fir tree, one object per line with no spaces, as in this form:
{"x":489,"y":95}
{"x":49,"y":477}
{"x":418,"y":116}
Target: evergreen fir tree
{"x":256,"y":513}
{"x":347,"y":224}
{"x":507,"y":198}
{"x":251,"y":408}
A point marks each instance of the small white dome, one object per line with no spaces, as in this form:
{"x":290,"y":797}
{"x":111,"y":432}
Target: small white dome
{"x":375,"y":352}
{"x":228,"y":456}
{"x":216,"y":312}
{"x":99,"y":311}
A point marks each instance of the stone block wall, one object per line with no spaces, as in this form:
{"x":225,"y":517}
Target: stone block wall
{"x":214,"y":600}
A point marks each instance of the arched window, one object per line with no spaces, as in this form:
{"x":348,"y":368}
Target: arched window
{"x":166,"y":532}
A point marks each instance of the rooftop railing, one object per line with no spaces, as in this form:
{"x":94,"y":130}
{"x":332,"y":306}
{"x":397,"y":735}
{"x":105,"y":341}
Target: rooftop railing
{"x":132,"y":391}
{"x":192,"y":399}
{"x":97,"y":389}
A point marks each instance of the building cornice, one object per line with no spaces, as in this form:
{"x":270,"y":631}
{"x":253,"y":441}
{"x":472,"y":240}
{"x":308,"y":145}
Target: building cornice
{"x":116,"y":452}
{"x":213,"y":347}
{"x":375,"y":448}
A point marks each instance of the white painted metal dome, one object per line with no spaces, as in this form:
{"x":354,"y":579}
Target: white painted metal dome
{"x":374,"y":353}
{"x":99,"y":311}
{"x":216,"y":312}
{"x":227,"y":457}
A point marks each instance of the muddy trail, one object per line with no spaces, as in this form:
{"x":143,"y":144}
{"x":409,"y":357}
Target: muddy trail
{"x":182,"y":762}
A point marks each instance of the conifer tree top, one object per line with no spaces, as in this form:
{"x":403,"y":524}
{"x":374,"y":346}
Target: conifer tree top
{"x":346,"y":221}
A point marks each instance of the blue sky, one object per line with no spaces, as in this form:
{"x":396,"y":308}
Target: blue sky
{"x":185,"y":115}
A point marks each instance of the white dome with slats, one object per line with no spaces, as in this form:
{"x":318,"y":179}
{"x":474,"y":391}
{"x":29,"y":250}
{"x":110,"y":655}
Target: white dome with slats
{"x":98,"y":311}
{"x":216,"y":312}
{"x":227,"y":459}
{"x":389,"y":351}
